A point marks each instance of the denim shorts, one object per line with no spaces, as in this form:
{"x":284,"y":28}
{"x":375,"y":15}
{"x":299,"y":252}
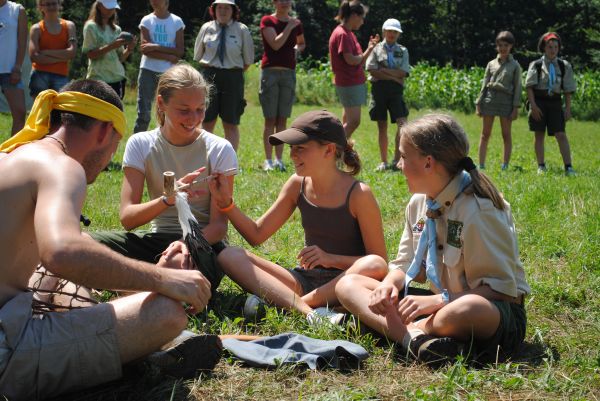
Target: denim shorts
{"x":42,"y":80}
{"x":5,"y":82}
{"x":352,"y":96}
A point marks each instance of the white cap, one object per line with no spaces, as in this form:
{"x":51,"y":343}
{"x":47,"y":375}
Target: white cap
{"x":110,"y":4}
{"x":230,"y":2}
{"x":392,"y":24}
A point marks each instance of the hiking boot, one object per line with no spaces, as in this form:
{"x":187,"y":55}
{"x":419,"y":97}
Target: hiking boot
{"x":187,"y":354}
{"x":324,"y":314}
{"x":394,"y":165}
{"x":254,"y":308}
{"x":267,"y":165}
{"x":435,"y":351}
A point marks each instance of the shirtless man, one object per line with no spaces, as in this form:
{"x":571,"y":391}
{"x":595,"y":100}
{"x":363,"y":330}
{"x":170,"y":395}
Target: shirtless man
{"x":42,"y":190}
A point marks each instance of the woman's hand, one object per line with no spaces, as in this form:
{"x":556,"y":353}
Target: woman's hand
{"x":177,"y":250}
{"x":382,"y":298}
{"x":413,"y":306}
{"x":131,"y":45}
{"x":220,"y":190}
{"x":313,"y":256}
{"x":188,"y":179}
{"x":514,"y":114}
{"x":536,"y":112}
{"x":373,"y":40}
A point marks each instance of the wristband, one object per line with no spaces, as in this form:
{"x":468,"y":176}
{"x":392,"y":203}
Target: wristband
{"x":164,"y":200}
{"x":227,"y":208}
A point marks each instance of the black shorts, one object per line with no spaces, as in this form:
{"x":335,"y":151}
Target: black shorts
{"x":311,"y":279}
{"x":553,"y":117}
{"x":387,"y":96}
{"x":227,"y":95}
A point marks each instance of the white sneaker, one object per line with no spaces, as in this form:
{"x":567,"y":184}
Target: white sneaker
{"x":278,"y":165}
{"x":381,"y":167}
{"x":542,"y":170}
{"x":570,"y":172}
{"x":324,"y":314}
{"x":267,"y":165}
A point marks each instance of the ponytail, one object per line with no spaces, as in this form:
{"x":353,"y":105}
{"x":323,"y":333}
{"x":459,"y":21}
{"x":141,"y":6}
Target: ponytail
{"x":350,"y":158}
{"x":445,"y":140}
{"x":349,"y":7}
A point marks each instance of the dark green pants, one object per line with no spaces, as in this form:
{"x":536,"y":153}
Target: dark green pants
{"x":148,"y":246}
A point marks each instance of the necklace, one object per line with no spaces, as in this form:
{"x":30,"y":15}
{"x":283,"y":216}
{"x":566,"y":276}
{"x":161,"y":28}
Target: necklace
{"x":61,"y":143}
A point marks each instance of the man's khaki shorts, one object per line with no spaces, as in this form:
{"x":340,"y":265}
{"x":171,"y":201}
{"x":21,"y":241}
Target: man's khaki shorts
{"x":56,"y":352}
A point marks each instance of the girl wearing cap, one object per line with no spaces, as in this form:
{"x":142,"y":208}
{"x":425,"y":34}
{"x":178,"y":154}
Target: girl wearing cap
{"x":500,"y":96}
{"x":547,"y":79}
{"x":282,"y":37}
{"x":162,"y":46}
{"x":52,"y":44}
{"x":348,"y":60}
{"x":224,"y":50}
{"x":461,"y":222}
{"x":105,"y":46}
{"x":341,"y":220}
{"x":388,"y":66}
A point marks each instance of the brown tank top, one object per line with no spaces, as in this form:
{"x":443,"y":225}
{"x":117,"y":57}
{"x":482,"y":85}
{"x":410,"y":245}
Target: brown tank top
{"x":334,"y":230}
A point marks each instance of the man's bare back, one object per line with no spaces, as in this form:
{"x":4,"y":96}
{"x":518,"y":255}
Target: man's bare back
{"x":38,"y":173}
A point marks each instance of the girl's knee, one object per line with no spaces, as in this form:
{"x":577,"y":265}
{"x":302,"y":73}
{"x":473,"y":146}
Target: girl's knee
{"x":346,"y":285}
{"x":373,"y":266}
{"x":230,"y":256}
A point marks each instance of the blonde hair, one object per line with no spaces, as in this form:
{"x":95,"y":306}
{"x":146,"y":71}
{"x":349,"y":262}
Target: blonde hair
{"x":441,"y":137}
{"x":180,"y":76}
{"x":346,"y":157}
{"x":96,"y":16}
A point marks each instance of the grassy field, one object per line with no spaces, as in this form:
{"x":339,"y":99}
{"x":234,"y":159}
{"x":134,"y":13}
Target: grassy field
{"x":558,"y":224}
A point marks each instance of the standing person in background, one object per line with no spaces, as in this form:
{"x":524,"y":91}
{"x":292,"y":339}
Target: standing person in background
{"x":13,"y":36}
{"x":547,"y":78}
{"x":162,"y":46}
{"x":283,"y":37}
{"x":347,"y":61}
{"x":106,"y":46}
{"x":52,"y":44}
{"x":224,"y":49}
{"x":500,"y":96}
{"x":388,"y":66}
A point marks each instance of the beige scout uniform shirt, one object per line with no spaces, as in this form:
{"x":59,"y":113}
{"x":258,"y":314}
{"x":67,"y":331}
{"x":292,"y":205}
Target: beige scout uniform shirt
{"x":379,"y":59}
{"x":477,"y":243}
{"x":504,"y":77}
{"x":569,"y":85}
{"x":239,"y":48}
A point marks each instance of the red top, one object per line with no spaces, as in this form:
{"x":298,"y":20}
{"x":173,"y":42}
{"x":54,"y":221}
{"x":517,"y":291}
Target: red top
{"x":342,"y":41}
{"x":286,"y":55}
{"x":49,"y":41}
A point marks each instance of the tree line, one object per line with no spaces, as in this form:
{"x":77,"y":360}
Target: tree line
{"x":456,"y":32}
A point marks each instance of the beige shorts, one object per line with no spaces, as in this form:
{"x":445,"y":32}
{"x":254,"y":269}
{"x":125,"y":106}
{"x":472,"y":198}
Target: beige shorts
{"x":56,"y":352}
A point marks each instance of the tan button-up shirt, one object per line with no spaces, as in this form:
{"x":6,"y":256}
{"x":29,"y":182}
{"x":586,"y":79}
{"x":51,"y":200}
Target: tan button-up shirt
{"x":504,"y":77}
{"x":569,"y":85}
{"x":239,"y":48}
{"x":379,"y":58}
{"x":477,"y":243}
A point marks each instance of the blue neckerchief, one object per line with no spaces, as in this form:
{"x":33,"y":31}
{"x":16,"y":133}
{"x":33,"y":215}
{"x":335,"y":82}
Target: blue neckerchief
{"x":551,"y":77}
{"x":390,"y":54}
{"x":428,"y":242}
{"x":222,"y":40}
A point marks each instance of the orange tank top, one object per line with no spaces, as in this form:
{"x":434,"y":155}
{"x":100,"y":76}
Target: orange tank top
{"x":49,"y":41}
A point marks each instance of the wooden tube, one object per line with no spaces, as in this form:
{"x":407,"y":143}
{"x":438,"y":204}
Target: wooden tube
{"x":169,"y":183}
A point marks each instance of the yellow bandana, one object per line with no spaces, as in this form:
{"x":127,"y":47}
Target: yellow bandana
{"x":38,"y":122}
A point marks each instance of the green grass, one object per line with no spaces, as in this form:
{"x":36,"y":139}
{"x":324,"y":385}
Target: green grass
{"x":558,"y":222}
